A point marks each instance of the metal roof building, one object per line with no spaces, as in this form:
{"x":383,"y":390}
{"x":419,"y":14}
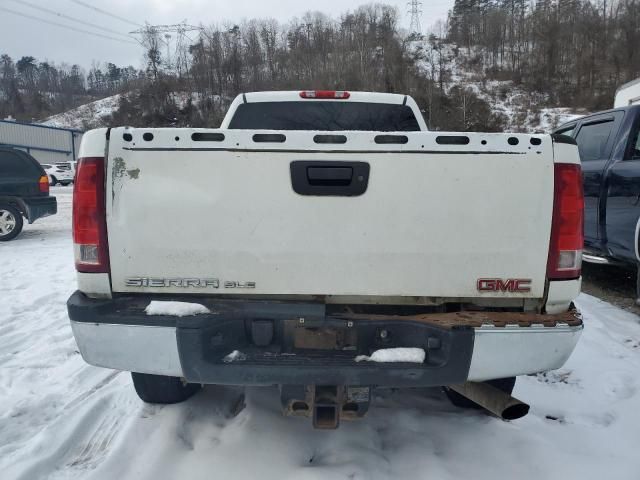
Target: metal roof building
{"x":46,"y":144}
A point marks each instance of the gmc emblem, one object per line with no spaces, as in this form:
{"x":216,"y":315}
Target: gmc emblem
{"x":513,"y":285}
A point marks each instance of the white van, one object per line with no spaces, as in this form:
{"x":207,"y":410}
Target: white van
{"x":628,"y":94}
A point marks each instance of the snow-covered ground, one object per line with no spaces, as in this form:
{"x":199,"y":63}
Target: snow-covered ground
{"x":63,"y":419}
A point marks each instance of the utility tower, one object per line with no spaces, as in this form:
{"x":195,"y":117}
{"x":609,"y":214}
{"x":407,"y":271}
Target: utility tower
{"x":415,"y":10}
{"x":150,"y":36}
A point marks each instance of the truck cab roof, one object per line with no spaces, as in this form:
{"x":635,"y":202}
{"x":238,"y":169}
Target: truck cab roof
{"x":403,"y":103}
{"x":295,"y":96}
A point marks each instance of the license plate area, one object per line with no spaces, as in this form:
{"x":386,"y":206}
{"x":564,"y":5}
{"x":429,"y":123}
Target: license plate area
{"x":324,"y":338}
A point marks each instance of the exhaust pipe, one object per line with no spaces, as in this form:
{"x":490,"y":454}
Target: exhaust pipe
{"x":492,"y":399}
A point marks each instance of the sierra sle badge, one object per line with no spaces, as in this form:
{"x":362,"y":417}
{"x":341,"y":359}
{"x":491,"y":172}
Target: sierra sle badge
{"x":191,"y":282}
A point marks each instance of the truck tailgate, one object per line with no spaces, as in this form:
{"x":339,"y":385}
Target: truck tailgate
{"x":220,"y":215}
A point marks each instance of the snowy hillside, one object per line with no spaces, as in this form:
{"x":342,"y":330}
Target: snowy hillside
{"x":98,"y":113}
{"x":90,"y":115}
{"x":522,"y":111}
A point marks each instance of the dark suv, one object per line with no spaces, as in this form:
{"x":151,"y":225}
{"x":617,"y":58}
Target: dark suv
{"x":24,"y":192}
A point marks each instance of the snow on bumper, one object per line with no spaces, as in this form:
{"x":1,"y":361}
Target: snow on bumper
{"x":120,"y":336}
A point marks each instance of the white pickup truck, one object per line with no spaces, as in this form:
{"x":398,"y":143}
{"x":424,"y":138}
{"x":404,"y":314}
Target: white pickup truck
{"x":330,"y":244}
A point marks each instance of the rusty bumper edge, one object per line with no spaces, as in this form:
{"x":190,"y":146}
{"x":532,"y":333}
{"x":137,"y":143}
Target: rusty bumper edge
{"x":571,"y":318}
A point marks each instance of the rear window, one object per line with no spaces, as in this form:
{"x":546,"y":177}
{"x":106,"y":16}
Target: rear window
{"x":321,"y":115}
{"x":14,"y":165}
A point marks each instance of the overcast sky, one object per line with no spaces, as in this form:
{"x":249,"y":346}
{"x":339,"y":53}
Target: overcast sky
{"x":26,"y":36}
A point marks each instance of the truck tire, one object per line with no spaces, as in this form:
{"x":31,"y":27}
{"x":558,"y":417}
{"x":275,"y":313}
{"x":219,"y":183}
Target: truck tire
{"x":504,"y":384}
{"x":161,"y":389}
{"x":54,"y":181}
{"x":10,"y":222}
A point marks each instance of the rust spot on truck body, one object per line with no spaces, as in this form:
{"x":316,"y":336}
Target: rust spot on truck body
{"x":120,"y":169}
{"x":117,"y":172}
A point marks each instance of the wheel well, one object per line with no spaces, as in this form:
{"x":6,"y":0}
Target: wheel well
{"x":16,"y":203}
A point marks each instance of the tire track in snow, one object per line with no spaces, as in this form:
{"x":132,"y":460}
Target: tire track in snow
{"x":84,"y":395}
{"x":97,"y":445}
{"x":75,"y":442}
{"x":57,"y":413}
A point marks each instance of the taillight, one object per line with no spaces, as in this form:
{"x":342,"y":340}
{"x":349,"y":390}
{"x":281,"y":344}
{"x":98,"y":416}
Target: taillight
{"x":565,"y":249}
{"x":43,"y":184}
{"x":89,"y":217}
{"x":325,"y":94}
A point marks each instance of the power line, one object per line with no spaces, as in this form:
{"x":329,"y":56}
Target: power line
{"x":67,"y":17}
{"x":150,"y":33}
{"x":179,"y":28}
{"x":104,"y":12}
{"x":69,"y":27}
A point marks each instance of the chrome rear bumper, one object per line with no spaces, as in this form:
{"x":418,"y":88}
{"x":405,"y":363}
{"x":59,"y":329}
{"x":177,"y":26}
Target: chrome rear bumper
{"x":117,"y":334}
{"x":497,"y":352}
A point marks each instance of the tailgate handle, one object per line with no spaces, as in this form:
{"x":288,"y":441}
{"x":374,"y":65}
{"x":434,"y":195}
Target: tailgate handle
{"x":324,"y":178}
{"x":329,"y":175}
